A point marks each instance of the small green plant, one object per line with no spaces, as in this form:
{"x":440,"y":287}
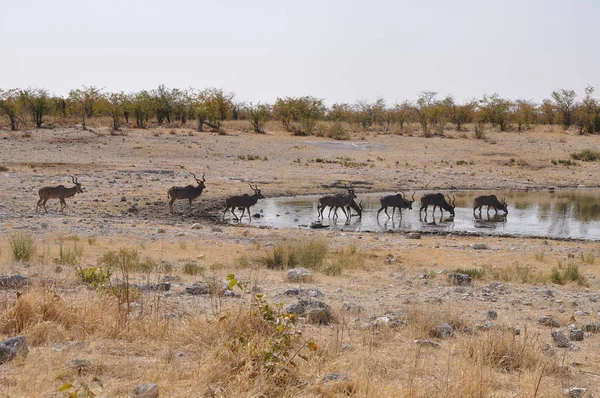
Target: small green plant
{"x":587,"y":155}
{"x":475,"y":273}
{"x":96,"y":277}
{"x":564,"y":274}
{"x":192,"y":269}
{"x":23,"y":246}
{"x":517,"y":273}
{"x":306,"y":253}
{"x":92,"y":240}
{"x":338,"y":132}
{"x":349,"y":258}
{"x":567,"y":162}
{"x":588,"y":258}
{"x":148,"y":265}
{"x":3,"y":168}
{"x":126,"y":259}
{"x":540,"y":256}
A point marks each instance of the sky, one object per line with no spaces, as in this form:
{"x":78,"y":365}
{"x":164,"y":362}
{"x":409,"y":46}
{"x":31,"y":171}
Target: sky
{"x":340,"y":51}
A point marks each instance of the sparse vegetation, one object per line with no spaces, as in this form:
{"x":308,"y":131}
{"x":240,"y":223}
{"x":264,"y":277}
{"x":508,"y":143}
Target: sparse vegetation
{"x":564,"y":162}
{"x":69,"y":254}
{"x":308,"y":253}
{"x":517,"y":273}
{"x":567,"y":273}
{"x":475,"y":273}
{"x":587,"y":155}
{"x":192,"y":269}
{"x":23,"y":246}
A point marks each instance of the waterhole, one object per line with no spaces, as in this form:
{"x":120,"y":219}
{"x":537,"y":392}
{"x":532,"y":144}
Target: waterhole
{"x":572,"y":213}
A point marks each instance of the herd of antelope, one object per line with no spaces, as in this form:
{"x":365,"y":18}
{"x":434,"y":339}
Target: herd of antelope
{"x":345,"y":201}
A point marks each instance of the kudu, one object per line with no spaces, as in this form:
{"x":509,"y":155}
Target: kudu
{"x":490,"y":201}
{"x":60,"y":192}
{"x":336,"y":201}
{"x":437,"y":200}
{"x":243,"y":202}
{"x":357,"y":207}
{"x":395,"y":201}
{"x":188,"y":192}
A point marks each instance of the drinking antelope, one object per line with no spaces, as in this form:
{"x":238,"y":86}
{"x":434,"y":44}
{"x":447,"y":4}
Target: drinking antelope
{"x":335,"y":202}
{"x":490,"y":200}
{"x":188,"y":192}
{"x":243,"y":201}
{"x":437,"y":199}
{"x":60,"y":192}
{"x":395,"y":201}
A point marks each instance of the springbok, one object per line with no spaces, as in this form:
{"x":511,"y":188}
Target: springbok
{"x":243,"y":202}
{"x":437,"y":199}
{"x":490,"y":200}
{"x":60,"y":192}
{"x":335,"y":202}
{"x":395,"y":201}
{"x":188,"y":192}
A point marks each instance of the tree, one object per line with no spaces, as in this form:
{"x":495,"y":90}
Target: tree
{"x":524,"y":113}
{"x":300,"y":114}
{"x":547,"y":112}
{"x":339,"y":113}
{"x":83,"y":102}
{"x":141,"y":105}
{"x":258,"y":115}
{"x":9,"y":105}
{"x":495,"y":110}
{"x":114,"y":105}
{"x":425,"y":103}
{"x":37,"y":102}
{"x":462,"y":114}
{"x":402,"y":113}
{"x":565,"y":101}
{"x":585,"y":114}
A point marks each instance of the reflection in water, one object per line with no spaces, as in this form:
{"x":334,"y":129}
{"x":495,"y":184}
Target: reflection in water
{"x":570,"y":213}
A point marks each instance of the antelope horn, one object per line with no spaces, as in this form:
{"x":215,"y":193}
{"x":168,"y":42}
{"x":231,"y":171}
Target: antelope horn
{"x":251,"y":186}
{"x":203,"y":177}
{"x":453,"y":199}
{"x":413,"y":196}
{"x":402,"y":193}
{"x":73,"y":179}
{"x":360,"y":204}
{"x":194,"y":176}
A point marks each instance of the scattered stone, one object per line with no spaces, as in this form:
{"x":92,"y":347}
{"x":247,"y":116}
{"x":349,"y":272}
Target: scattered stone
{"x":427,"y":343}
{"x":424,"y":276}
{"x":216,"y":229}
{"x":560,"y":339}
{"x":496,"y":285}
{"x":11,"y":347}
{"x":351,"y":307}
{"x":414,"y":235}
{"x":316,"y":312}
{"x":160,"y":286}
{"x":443,"y":330}
{"x":44,"y":225}
{"x":575,"y":392}
{"x":478,"y":246}
{"x":486,"y":326}
{"x":123,"y":199}
{"x":80,"y":364}
{"x":491,"y":315}
{"x":149,"y":390}
{"x":13,"y":281}
{"x":459,"y":279}
{"x":390,"y":321}
{"x":548,"y":321}
{"x":335,"y":377}
{"x":161,"y":231}
{"x":593,"y":327}
{"x":196,"y":226}
{"x":582,"y":313}
{"x":198,"y":289}
{"x":299,"y":275}
{"x":576,"y":335}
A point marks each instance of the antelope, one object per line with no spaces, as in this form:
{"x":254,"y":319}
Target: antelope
{"x":437,"y":199}
{"x":356,"y":207}
{"x":335,"y":202}
{"x":398,"y":200}
{"x":490,"y":200}
{"x":188,"y":192}
{"x":243,"y":202}
{"x":60,"y":192}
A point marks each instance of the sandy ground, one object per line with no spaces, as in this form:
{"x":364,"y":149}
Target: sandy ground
{"x":126,"y":178}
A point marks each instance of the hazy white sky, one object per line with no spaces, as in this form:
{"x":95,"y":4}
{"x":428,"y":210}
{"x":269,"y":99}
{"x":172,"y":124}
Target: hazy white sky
{"x":339,"y":50}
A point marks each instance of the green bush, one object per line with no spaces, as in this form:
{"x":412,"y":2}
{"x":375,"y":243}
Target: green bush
{"x":126,"y":259}
{"x":192,"y":269}
{"x":338,"y":132}
{"x":474,"y":273}
{"x":96,"y":277}
{"x":307,"y":253}
{"x":587,"y":155}
{"x":23,"y":246}
{"x":564,"y":274}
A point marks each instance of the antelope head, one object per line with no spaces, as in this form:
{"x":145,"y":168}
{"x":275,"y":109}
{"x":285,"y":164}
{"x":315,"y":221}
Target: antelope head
{"x":256,"y":191}
{"x":77,"y":184}
{"x":200,"y":182}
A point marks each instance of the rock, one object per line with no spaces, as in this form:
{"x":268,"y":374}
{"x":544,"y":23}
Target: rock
{"x":316,"y":312}
{"x":198,"y":289}
{"x":123,"y":199}
{"x":390,"y":321}
{"x":486,"y":326}
{"x":548,"y":321}
{"x":13,"y":281}
{"x":459,"y":279}
{"x":478,"y":246}
{"x":335,"y":377}
{"x":491,"y":315}
{"x":149,"y":390}
{"x":196,"y":226}
{"x":216,"y":229}
{"x":560,"y":339}
{"x":575,"y":392}
{"x":11,"y":347}
{"x":427,"y":343}
{"x":44,"y":225}
{"x":593,"y":327}
{"x":496,"y":285}
{"x":299,"y":275}
{"x":576,"y":335}
{"x":80,"y":364}
{"x":443,"y":330}
{"x":351,"y":307}
{"x":161,"y":231}
{"x":414,"y":235}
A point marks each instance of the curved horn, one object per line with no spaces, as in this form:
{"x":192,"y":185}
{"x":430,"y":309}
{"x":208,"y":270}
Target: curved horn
{"x":203,"y":180}
{"x":194,"y":176}
{"x":413,"y":196}
{"x":453,"y":200}
{"x":360,"y":204}
{"x":73,"y":179}
{"x":402,"y":193}
{"x":251,"y":186}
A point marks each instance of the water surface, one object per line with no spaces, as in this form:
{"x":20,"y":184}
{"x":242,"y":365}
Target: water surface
{"x":573,"y":213}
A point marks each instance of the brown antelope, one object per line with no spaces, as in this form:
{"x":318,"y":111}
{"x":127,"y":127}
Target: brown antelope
{"x":490,"y":200}
{"x":437,"y":199}
{"x":356,"y":207}
{"x":336,"y":201}
{"x":395,"y":201}
{"x":243,"y":202}
{"x":60,"y":192}
{"x":188,"y":192}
